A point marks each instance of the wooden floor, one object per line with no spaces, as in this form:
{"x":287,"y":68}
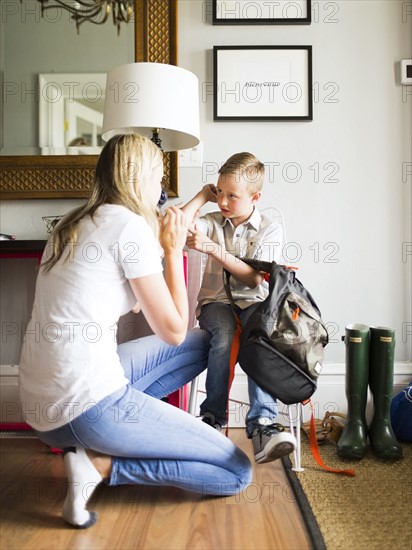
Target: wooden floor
{"x":33,"y":486}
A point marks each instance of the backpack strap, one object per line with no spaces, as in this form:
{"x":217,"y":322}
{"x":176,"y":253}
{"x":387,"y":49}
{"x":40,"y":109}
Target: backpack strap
{"x":228,"y":290}
{"x":314,"y":447}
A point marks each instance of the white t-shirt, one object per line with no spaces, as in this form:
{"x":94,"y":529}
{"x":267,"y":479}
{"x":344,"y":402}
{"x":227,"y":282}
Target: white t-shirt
{"x":69,"y":360}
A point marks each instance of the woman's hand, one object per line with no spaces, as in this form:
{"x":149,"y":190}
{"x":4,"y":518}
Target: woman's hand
{"x":173,"y":230}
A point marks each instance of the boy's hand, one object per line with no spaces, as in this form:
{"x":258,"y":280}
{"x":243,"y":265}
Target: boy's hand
{"x":197,"y":240}
{"x":137,"y":308}
{"x":209,"y":192}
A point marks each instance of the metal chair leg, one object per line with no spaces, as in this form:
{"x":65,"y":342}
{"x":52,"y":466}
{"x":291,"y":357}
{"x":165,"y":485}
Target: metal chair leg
{"x":295,"y":429}
{"x":193,"y":396}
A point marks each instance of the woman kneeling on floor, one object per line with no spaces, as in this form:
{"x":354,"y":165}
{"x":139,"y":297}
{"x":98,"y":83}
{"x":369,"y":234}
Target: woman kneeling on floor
{"x":101,"y":402}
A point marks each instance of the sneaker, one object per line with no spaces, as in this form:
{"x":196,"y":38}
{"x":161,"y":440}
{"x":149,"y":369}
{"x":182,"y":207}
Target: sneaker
{"x":272,"y":442}
{"x":209,"y":418}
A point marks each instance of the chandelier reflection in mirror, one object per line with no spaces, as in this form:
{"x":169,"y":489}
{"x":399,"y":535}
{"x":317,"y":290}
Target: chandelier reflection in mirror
{"x":94,"y":11}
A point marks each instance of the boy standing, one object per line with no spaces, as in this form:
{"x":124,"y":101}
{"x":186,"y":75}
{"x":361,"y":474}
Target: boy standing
{"x":236,"y":230}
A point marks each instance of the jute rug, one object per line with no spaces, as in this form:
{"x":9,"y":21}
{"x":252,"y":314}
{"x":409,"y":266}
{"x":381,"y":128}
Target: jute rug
{"x":372,"y":510}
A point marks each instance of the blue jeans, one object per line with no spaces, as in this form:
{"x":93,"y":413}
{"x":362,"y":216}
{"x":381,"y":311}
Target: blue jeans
{"x":150,"y":441}
{"x":218,"y":319}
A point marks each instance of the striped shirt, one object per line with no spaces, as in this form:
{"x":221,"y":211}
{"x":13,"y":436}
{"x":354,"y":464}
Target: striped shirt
{"x":259,"y":237}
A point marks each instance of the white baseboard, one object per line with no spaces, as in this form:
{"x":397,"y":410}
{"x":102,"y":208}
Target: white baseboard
{"x":9,"y":394}
{"x":329,"y":396}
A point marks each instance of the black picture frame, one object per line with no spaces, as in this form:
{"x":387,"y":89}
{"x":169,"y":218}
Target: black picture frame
{"x":262,"y":83}
{"x":261,"y":12}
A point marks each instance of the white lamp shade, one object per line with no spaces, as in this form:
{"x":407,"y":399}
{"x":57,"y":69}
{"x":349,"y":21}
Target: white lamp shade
{"x":143,"y":96}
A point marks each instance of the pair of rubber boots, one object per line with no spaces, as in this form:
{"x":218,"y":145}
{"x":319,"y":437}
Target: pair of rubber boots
{"x":369,"y":361}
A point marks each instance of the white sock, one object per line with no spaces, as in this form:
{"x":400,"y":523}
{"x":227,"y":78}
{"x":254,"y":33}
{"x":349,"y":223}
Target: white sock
{"x":83,"y":478}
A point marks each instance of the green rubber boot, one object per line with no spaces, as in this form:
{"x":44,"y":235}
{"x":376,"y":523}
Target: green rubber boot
{"x":352,"y":442}
{"x":381,"y":360}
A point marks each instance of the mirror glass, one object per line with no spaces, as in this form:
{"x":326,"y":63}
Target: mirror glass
{"x":71,"y":113}
{"x":33,"y":46}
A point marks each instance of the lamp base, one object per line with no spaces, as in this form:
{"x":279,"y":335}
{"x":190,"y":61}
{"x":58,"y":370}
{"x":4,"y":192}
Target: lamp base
{"x":155,"y":138}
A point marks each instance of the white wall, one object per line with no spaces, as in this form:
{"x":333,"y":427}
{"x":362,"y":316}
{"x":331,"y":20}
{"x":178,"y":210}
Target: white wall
{"x":364,"y":217}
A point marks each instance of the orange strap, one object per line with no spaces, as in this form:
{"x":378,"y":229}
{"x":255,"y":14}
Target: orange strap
{"x":234,"y":351}
{"x":315,"y":448}
{"x":296,"y":314}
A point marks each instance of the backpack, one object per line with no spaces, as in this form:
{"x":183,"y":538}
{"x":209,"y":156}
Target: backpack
{"x":281,"y":344}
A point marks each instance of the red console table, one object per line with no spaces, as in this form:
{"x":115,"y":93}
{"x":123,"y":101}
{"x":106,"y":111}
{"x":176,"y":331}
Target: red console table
{"x":22,"y":249}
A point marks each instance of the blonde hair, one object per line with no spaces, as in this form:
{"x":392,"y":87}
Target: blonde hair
{"x":122,"y":177}
{"x":248,"y":167}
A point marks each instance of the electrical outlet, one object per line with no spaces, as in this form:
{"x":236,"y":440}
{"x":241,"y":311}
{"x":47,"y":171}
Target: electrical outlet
{"x":191,"y":157}
{"x":406,"y":72}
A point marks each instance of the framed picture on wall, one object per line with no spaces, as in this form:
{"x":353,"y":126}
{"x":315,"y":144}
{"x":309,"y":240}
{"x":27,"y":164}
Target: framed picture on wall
{"x":261,"y":12}
{"x":262,"y":83}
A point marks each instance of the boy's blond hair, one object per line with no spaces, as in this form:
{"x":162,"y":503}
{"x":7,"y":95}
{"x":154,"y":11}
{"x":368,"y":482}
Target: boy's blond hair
{"x":246,"y":166}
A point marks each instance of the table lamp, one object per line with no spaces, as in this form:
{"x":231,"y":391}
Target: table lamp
{"x":156,"y":100}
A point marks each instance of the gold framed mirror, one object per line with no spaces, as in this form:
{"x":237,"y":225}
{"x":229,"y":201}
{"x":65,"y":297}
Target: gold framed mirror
{"x":71,"y":176}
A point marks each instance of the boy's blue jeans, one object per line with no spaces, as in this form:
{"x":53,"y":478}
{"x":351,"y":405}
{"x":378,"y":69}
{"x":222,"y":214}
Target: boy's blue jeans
{"x":150,"y":441}
{"x":219,"y":321}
